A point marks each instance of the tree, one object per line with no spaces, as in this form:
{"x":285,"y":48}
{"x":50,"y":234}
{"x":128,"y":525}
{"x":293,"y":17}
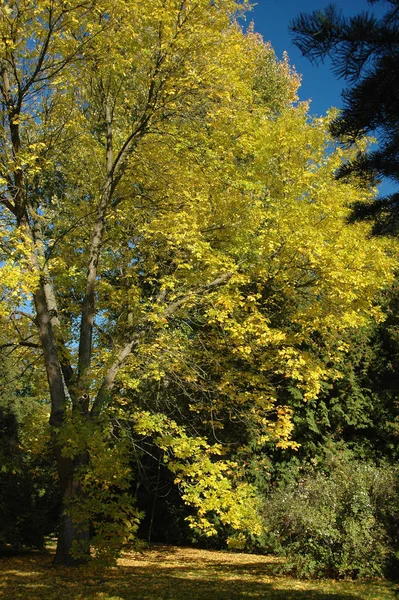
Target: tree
{"x":167,"y":223}
{"x":364,"y":51}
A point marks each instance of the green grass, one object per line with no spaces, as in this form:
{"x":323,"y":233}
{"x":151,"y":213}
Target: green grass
{"x":170,"y":573}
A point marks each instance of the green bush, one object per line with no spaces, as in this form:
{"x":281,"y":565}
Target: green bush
{"x":341,"y":521}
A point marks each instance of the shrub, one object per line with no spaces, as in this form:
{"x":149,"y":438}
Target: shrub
{"x":338,"y":522}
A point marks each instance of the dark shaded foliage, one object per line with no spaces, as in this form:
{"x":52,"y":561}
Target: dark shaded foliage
{"x":29,"y":493}
{"x":29,"y":502}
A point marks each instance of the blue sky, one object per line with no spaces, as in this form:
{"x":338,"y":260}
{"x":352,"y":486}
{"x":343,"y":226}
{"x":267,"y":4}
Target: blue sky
{"x":272,"y":18}
{"x":319,"y":84}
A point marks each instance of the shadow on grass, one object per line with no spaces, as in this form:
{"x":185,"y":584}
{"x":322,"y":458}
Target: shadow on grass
{"x":160,"y":575}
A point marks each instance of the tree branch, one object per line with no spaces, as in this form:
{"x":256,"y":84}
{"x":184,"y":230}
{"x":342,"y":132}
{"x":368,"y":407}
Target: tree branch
{"x":88,"y":309}
{"x":24,"y":343}
{"x":51,"y":305}
{"x":110,"y":377}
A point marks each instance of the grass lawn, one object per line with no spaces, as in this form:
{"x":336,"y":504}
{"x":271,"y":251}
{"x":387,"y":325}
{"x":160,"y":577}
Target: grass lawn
{"x":170,"y":573}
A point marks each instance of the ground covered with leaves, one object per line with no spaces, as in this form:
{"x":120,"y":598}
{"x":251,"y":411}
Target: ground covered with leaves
{"x":171,"y":573}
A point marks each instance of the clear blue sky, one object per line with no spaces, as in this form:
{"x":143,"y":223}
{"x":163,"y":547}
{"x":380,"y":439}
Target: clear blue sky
{"x":319,"y":84}
{"x":272,"y":18}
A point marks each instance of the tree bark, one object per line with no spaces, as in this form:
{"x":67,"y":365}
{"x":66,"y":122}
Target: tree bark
{"x":70,"y":486}
{"x":71,"y":533}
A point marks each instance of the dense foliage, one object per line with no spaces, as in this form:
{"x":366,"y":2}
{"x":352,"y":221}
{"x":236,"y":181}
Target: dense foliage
{"x":177,"y":269}
{"x":336,"y":518}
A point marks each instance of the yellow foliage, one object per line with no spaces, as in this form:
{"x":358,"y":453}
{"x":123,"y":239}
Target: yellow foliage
{"x":162,"y":186}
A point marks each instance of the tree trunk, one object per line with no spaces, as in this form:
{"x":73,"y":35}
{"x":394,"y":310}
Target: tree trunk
{"x":71,"y":533}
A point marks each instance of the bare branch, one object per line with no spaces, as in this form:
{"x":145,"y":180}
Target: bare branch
{"x":8,"y":204}
{"x":20,"y":343}
{"x":26,"y":314}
